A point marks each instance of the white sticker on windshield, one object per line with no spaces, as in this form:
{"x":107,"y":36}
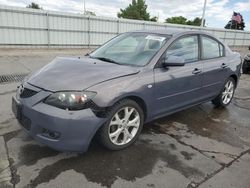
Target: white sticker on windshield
{"x":153,"y":37}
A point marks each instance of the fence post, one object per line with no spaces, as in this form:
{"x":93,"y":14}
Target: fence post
{"x":118,"y":27}
{"x":48,"y":29}
{"x":88,"y":31}
{"x":243,"y":41}
{"x":234,"y":38}
{"x":166,"y":26}
{"x":225,"y":36}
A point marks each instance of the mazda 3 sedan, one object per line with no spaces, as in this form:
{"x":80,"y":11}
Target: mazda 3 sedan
{"x":132,"y":79}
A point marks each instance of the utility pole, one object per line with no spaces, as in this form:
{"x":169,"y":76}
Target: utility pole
{"x":203,"y":14}
{"x":84,"y":7}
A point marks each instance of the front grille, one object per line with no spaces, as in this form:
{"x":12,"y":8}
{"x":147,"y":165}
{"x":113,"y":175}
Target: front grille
{"x":27,"y":93}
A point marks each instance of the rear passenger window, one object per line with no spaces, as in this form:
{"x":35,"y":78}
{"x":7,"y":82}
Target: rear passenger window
{"x":211,"y":48}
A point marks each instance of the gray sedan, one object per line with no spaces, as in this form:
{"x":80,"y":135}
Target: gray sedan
{"x":132,"y":79}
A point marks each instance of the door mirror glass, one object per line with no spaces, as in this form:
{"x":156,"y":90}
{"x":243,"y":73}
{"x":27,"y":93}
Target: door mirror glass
{"x":172,"y":60}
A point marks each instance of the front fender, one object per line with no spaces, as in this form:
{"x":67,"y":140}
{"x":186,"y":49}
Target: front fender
{"x":112,"y":91}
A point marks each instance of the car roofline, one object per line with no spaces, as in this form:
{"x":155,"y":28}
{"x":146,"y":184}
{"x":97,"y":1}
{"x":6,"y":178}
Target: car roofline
{"x":171,"y":32}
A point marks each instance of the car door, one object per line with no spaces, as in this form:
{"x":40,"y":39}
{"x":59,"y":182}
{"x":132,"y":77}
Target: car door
{"x":215,"y":68}
{"x":179,"y":86}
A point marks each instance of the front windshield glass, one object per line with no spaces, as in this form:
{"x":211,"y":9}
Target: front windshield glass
{"x":130,"y":48}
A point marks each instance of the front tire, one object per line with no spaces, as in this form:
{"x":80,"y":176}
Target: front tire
{"x":125,"y":122}
{"x":226,"y":95}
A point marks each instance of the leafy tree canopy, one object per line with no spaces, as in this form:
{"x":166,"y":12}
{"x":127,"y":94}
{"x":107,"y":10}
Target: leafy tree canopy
{"x":154,"y":19}
{"x":34,"y":6}
{"x":136,"y":10}
{"x":184,"y":21}
{"x":177,"y":20}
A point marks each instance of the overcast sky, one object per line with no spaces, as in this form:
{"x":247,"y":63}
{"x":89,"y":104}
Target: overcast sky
{"x":218,"y":12}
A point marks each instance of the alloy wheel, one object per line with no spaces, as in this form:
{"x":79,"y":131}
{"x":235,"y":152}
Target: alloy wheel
{"x":228,"y":92}
{"x":124,"y":125}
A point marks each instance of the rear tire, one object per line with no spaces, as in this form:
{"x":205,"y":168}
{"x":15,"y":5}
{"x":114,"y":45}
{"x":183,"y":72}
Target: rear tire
{"x":245,"y":67}
{"x":244,"y":70}
{"x":125,"y":122}
{"x":226,"y":95}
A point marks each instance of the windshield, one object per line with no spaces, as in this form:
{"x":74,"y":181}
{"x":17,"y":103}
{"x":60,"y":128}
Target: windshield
{"x":130,"y":48}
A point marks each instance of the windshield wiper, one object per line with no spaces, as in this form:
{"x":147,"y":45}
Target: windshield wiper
{"x":106,"y":59}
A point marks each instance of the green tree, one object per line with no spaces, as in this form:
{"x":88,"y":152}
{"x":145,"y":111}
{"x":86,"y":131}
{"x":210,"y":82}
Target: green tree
{"x":136,"y":10}
{"x":177,"y":20}
{"x":34,"y":6}
{"x":184,"y":21}
{"x":154,"y":19}
{"x":195,"y":22}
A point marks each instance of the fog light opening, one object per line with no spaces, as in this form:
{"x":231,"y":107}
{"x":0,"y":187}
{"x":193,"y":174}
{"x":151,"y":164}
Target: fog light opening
{"x":50,"y":134}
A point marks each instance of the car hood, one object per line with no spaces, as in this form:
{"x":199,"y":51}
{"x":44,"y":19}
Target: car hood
{"x":77,"y":74}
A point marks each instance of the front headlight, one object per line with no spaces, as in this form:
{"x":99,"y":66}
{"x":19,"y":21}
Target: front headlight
{"x":70,"y":100}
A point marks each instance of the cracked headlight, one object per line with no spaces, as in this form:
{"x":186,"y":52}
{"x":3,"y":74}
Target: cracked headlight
{"x":70,"y":100}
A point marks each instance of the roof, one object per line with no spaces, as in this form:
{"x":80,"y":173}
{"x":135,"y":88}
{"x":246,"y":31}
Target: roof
{"x":170,"y":31}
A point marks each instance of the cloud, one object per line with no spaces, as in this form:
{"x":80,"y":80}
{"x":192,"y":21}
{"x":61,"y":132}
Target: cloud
{"x":218,"y":12}
{"x":242,"y":6}
{"x":12,"y":3}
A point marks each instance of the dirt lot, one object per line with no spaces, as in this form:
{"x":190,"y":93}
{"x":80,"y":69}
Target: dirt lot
{"x":199,"y":147}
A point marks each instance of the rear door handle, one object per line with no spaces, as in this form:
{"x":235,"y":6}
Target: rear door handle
{"x":224,"y":65}
{"x":197,"y":71}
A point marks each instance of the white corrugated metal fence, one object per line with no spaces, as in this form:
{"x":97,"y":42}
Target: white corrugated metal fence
{"x":23,"y":27}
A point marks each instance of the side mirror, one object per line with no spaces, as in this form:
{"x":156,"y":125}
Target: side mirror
{"x":248,"y":47}
{"x":173,"y":61}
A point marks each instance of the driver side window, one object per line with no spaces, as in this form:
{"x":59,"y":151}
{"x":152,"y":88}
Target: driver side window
{"x":185,"y":47}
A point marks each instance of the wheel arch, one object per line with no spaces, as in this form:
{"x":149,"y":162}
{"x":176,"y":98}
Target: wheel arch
{"x":139,"y":100}
{"x":141,"y":103}
{"x":235,"y":77}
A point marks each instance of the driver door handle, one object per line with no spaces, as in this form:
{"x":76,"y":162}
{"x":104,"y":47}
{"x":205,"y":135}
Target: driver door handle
{"x":197,"y":71}
{"x":224,"y":65}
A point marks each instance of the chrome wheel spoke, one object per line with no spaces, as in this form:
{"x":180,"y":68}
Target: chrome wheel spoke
{"x":224,"y":97}
{"x":127,"y":136}
{"x":128,"y":113}
{"x":134,"y":122}
{"x":230,"y":86}
{"x":226,"y":87}
{"x":116,"y":120}
{"x":115,"y":138}
{"x":224,"y":94}
{"x":116,"y":133}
